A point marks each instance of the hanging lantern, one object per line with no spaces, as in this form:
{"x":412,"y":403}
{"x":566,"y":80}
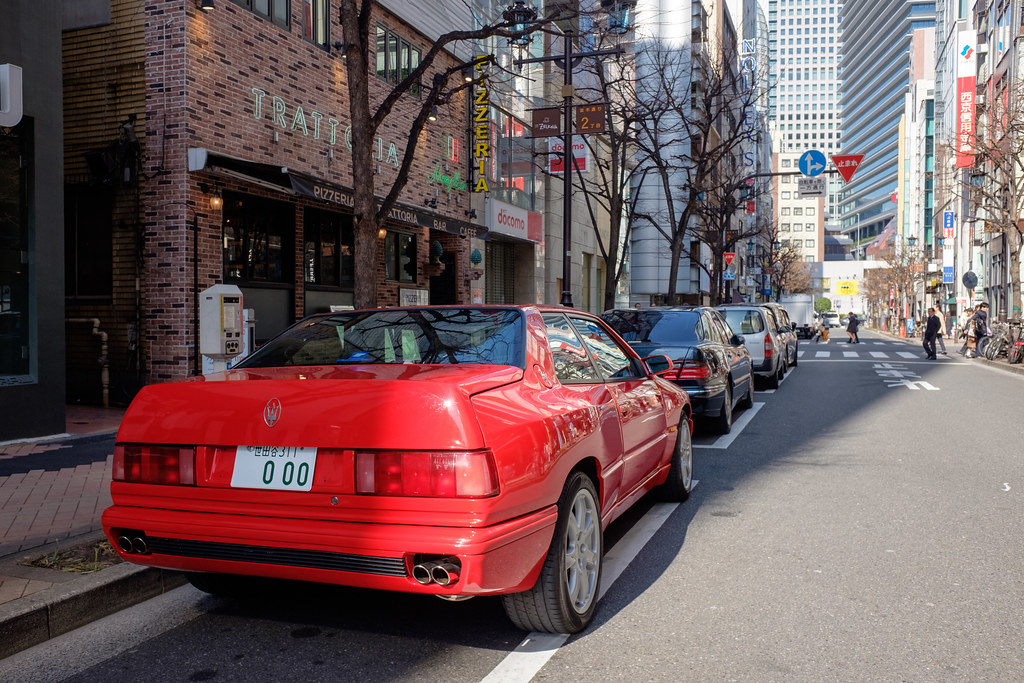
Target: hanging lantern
{"x":519,"y":15}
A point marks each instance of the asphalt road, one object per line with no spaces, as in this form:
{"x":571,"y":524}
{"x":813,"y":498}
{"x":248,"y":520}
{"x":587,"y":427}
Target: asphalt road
{"x":862,"y":524}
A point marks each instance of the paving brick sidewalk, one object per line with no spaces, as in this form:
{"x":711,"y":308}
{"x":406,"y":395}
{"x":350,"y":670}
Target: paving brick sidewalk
{"x":43,"y":507}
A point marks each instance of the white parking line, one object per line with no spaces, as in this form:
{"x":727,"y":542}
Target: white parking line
{"x":726,"y":440}
{"x":530,"y":656}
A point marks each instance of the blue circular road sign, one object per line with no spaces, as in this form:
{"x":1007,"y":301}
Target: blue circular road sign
{"x":812,"y":163}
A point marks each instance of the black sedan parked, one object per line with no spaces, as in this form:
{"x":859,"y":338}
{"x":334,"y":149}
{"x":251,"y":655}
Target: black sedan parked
{"x":710,"y":362}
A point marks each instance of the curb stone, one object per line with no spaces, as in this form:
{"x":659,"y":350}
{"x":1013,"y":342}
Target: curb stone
{"x":66,"y":606}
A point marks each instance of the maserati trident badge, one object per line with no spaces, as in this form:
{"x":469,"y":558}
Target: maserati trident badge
{"x":272,"y":412}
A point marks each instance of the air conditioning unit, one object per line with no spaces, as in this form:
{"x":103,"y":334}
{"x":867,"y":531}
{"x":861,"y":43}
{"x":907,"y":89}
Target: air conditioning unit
{"x":983,"y":48}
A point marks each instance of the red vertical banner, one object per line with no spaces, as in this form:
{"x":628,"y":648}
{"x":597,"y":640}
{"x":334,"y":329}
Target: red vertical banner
{"x":966,"y":79}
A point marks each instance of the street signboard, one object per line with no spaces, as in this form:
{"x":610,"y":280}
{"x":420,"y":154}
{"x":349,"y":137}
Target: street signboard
{"x":847,"y":164}
{"x":590,"y":118}
{"x":947,"y":275}
{"x":812,"y":163}
{"x":547,"y":122}
{"x":810,"y":187}
{"x":729,"y":256}
{"x":948,"y":225}
{"x":728,"y":274}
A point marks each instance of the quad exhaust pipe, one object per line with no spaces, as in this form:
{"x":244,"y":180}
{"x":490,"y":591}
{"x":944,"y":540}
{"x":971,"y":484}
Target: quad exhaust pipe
{"x":444,"y":571}
{"x":133,"y":542}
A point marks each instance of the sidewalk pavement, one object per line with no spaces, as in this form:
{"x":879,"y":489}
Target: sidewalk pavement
{"x":48,"y":509}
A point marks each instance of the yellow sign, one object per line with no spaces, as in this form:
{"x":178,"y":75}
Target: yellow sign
{"x":846,"y":288}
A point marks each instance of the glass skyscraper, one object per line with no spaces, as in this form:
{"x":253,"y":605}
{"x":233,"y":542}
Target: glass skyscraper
{"x":875,"y":78}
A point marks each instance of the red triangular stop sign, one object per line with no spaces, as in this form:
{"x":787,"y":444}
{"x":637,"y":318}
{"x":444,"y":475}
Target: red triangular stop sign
{"x":729,"y":256}
{"x":847,"y":164}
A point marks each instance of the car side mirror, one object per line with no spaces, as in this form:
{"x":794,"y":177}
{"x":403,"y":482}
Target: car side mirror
{"x":658,"y":364}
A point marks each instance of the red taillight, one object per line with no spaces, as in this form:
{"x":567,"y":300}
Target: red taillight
{"x":768,"y":346}
{"x":691,"y":369}
{"x":155,"y":464}
{"x":425,"y":473}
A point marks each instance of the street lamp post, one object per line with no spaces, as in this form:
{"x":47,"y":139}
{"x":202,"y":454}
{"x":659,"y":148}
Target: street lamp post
{"x":569,"y":59}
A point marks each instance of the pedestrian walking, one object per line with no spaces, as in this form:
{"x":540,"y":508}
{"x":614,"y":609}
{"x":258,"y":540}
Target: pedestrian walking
{"x":942,"y":328}
{"x":822,"y":335}
{"x":931,"y":333}
{"x":851,"y":329}
{"x":977,"y":329}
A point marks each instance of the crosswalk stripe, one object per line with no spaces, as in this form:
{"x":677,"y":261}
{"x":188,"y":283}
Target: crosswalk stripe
{"x":850,"y":354}
{"x":907,"y":354}
{"x":822,"y":354}
{"x":879,"y":354}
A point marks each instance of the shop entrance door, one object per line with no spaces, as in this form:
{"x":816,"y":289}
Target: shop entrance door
{"x":442,"y":287}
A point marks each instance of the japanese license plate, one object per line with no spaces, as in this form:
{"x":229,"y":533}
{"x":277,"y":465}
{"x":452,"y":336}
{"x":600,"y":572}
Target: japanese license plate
{"x":287,"y":468}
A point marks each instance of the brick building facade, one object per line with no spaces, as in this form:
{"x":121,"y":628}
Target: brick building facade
{"x":210,"y":148}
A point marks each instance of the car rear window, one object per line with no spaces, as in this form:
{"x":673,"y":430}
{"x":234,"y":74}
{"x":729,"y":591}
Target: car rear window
{"x":417,"y":336}
{"x":744,"y":322}
{"x":658,"y":327}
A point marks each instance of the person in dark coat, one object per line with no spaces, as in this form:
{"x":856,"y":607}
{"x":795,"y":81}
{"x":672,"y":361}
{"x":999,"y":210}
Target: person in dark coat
{"x":931,"y":333}
{"x":851,"y":329}
{"x":977,"y":328}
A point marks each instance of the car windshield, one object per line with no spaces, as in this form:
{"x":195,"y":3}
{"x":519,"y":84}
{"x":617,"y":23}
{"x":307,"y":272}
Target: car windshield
{"x":420,"y":336}
{"x":650,"y":325}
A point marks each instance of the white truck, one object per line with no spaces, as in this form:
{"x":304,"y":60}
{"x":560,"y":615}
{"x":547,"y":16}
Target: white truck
{"x":800,"y":308}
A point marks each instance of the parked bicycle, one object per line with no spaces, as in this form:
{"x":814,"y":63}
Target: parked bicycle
{"x":1004,"y":336}
{"x":1016,"y":352}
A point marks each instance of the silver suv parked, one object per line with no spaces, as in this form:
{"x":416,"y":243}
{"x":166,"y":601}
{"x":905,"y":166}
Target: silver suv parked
{"x":761,"y":337}
{"x":787,"y":334}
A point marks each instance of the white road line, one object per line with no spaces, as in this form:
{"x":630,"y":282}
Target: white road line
{"x":823,"y":354}
{"x":726,"y":440}
{"x":879,"y":354}
{"x":851,"y":354}
{"x":530,"y":656}
{"x":907,"y":354}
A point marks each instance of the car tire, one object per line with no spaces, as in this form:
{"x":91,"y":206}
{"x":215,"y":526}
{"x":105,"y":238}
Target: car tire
{"x":773,"y":381}
{"x":565,"y":596}
{"x":796,"y":356}
{"x":723,"y":423}
{"x":748,"y":400}
{"x":680,"y":474}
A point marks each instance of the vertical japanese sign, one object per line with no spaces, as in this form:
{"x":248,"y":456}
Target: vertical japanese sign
{"x":966,"y":74}
{"x":481,"y":130}
{"x":948,"y":236}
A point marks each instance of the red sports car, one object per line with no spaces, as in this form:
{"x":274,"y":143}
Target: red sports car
{"x":455,"y":451}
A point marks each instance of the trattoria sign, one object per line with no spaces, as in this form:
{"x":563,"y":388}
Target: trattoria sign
{"x":311,"y":187}
{"x":315,"y":124}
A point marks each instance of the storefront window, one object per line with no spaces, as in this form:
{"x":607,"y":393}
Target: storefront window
{"x":259,"y":238}
{"x":88,"y":241}
{"x":14,"y":261}
{"x":329,"y":248}
{"x":400,"y":257}
{"x":512,"y":164}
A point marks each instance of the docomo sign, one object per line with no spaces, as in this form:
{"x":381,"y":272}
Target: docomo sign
{"x":556,"y":159}
{"x":506,"y":219}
